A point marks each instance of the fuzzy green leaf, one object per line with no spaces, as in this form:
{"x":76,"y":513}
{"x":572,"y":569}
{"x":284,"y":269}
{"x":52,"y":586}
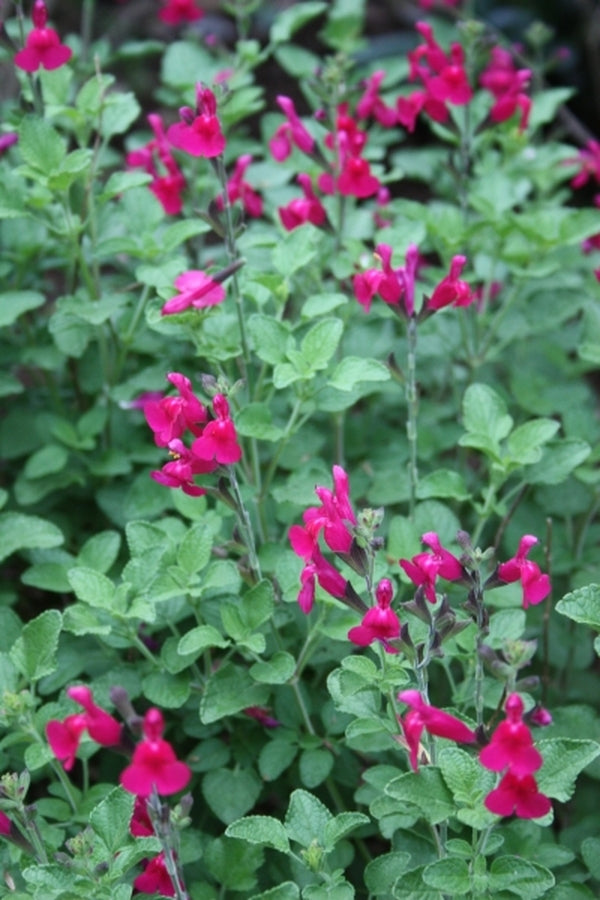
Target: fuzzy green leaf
{"x":260,"y":830}
{"x":34,"y":652}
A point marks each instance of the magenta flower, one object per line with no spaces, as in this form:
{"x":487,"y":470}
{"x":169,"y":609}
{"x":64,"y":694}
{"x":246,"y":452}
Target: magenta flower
{"x":5,"y":824}
{"x":154,"y":764}
{"x":42,"y":46}
{"x":435,"y":721}
{"x":518,"y":794}
{"x":392,"y":285}
{"x":424,"y":568}
{"x":290,"y":133}
{"x":239,"y":189}
{"x":140,"y":824}
{"x":507,"y":85}
{"x":536,"y":586}
{"x":64,"y":737}
{"x":179,"y":472}
{"x":451,"y":291}
{"x":176,"y":11}
{"x":303,"y":209}
{"x":262,"y":715}
{"x":511,"y":745}
{"x":218,"y":441}
{"x":170,"y":417}
{"x":198,"y":290}
{"x":199,"y":133}
{"x":319,"y":570}
{"x":155,"y":878}
{"x":380,"y":623}
{"x":588,"y":160}
{"x":156,"y":159}
{"x":7,"y":140}
{"x":371,"y":104}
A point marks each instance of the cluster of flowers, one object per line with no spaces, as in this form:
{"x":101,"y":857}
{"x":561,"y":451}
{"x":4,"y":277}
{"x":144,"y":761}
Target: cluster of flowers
{"x":510,"y":750}
{"x":396,"y":286}
{"x":215,"y":442}
{"x":336,"y":521}
{"x":154,"y":768}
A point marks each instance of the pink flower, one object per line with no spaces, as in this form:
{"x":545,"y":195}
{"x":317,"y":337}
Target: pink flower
{"x":155,"y":878}
{"x":333,"y":518}
{"x":180,"y":471}
{"x":424,"y":568}
{"x":100,"y":725}
{"x":589,"y":162}
{"x":392,"y":285}
{"x":536,"y":586}
{"x":140,"y":824}
{"x":451,"y":291}
{"x":154,"y":764}
{"x":507,"y":84}
{"x":218,"y":440}
{"x":64,"y":738}
{"x":42,"y":46}
{"x":262,"y":715}
{"x":371,"y":104}
{"x":170,"y":417}
{"x":168,"y":181}
{"x":290,"y":133}
{"x":511,"y":745}
{"x":5,"y":824}
{"x":7,"y":140}
{"x":380,"y":623}
{"x":239,"y":189}
{"x":198,"y":290}
{"x":518,"y":794}
{"x":176,"y":11}
{"x":356,"y":179}
{"x":434,"y":721}
{"x":199,"y":133}
{"x":303,"y":209}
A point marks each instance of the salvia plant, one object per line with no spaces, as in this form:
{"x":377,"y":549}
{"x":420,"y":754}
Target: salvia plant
{"x":299,"y":439}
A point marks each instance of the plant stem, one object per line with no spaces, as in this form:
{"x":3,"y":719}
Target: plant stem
{"x":245,"y":524}
{"x":412,"y":405}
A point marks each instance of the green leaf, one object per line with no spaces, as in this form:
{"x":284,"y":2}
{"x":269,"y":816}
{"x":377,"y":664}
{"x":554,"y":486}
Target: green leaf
{"x":234,"y":864}
{"x":195,"y":549}
{"x":427,"y":791}
{"x":260,"y":830}
{"x":383,"y":872}
{"x":275,"y":757}
{"x":119,"y":182}
{"x":110,"y":819}
{"x":254,"y":420}
{"x":14,"y":303}
{"x":564,"y":759}
{"x":582,"y":605}
{"x":46,"y":461}
{"x":355,"y":369}
{"x":20,"y":532}
{"x":525,"y":442}
{"x":288,"y":890}
{"x":40,"y":144}
{"x":590,"y":850}
{"x":558,"y":460}
{"x":34,"y":652}
{"x":270,"y":338}
{"x":306,"y":819}
{"x":342,"y":825}
{"x":92,"y":587}
{"x":320,"y":343}
{"x":230,"y":793}
{"x":229,"y":690}
{"x":449,"y":875}
{"x":277,"y":670}
{"x":120,"y":111}
{"x":443,"y":483}
{"x":166,"y":690}
{"x":485,"y":413}
{"x":290,"y":20}
{"x":518,"y":876}
{"x":199,"y":639}
{"x":177,"y":234}
{"x":100,"y":551}
{"x":296,"y":249}
{"x":315,"y":766}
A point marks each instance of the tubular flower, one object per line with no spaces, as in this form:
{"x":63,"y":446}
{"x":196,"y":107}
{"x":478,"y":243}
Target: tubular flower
{"x":290,"y":133}
{"x":511,"y":745}
{"x":169,"y":417}
{"x":392,"y":285}
{"x":168,"y":181}
{"x":371,"y":104}
{"x":197,"y":290}
{"x":64,"y":737}
{"x":179,"y":472}
{"x":518,"y":794}
{"x":536,"y":586}
{"x":218,"y":441}
{"x":154,"y":764}
{"x":451,"y":291}
{"x":507,"y":85}
{"x":176,"y":11}
{"x":155,"y":878}
{"x":424,"y":568}
{"x":42,"y":46}
{"x":199,"y":133}
{"x":435,"y":721}
{"x":380,"y":623}
{"x":303,"y":209}
{"x":239,"y":189}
